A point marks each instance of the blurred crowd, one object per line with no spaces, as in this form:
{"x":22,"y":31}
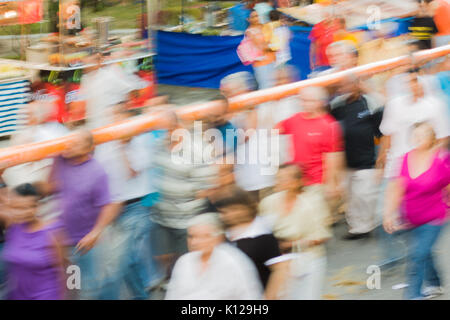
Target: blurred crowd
{"x":125,"y":218}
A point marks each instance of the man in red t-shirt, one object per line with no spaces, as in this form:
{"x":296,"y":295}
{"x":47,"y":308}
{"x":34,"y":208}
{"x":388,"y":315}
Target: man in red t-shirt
{"x":317,"y":142}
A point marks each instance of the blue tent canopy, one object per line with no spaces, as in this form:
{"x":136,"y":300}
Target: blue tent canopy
{"x":202,"y":61}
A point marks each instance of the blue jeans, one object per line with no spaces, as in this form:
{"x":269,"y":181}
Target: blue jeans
{"x":392,"y":246}
{"x":421,"y":266}
{"x":265,"y":76}
{"x":91,"y":280}
{"x":134,"y":254}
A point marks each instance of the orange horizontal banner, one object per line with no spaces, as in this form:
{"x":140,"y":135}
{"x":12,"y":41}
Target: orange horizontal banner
{"x":12,"y":156}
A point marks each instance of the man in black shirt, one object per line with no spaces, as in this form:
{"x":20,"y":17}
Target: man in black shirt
{"x":360,"y":125}
{"x":422,"y":27}
{"x":253,"y":235}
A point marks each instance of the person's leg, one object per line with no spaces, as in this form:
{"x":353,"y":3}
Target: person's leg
{"x":265,"y":76}
{"x":307,"y":276}
{"x":363,"y":190}
{"x":178,"y":245}
{"x":157,"y":274}
{"x":114,"y":246}
{"x":392,"y":245}
{"x":89,"y":275}
{"x":432,"y":278}
{"x":160,"y":239}
{"x":318,"y":274}
{"x":137,"y":273}
{"x":422,"y":239}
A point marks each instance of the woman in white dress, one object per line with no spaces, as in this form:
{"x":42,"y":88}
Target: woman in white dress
{"x":300,"y":225}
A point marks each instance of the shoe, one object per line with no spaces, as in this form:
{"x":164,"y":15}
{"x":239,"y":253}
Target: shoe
{"x":432,"y":292}
{"x":356,"y":236}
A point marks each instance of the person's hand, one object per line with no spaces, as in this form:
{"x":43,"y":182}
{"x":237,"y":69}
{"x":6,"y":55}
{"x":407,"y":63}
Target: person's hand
{"x":18,"y":215}
{"x":379,"y":175}
{"x":88,"y":241}
{"x":333,"y":192}
{"x":389,"y":225}
{"x":202,"y":194}
{"x":285,"y":246}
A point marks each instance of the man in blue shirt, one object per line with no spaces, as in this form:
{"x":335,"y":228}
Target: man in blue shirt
{"x":238,"y":16}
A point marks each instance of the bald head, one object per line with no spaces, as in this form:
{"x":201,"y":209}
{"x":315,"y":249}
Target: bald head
{"x":237,"y":83}
{"x":80,"y":146}
{"x":314,"y":99}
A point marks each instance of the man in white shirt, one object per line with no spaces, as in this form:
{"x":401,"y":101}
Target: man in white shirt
{"x":403,"y":111}
{"x":103,"y":88}
{"x":251,"y":165}
{"x":127,"y":163}
{"x":212,"y":270}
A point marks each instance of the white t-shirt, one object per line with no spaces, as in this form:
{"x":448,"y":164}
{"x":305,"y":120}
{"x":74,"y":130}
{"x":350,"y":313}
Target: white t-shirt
{"x":230,"y":275}
{"x":399,"y":117}
{"x":104,"y":88}
{"x":37,"y":170}
{"x":284,"y":53}
{"x":260,"y":167}
{"x":122,"y":186}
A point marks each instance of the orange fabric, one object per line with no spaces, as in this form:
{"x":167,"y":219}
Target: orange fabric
{"x":12,"y":156}
{"x":344,"y":35}
{"x":30,"y":11}
{"x":442,"y":17}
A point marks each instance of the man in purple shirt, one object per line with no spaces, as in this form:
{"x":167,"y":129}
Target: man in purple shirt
{"x":82,"y":186}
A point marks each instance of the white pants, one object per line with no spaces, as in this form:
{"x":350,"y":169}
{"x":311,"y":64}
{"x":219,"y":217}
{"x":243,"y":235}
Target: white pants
{"x":307,"y":278}
{"x":362,"y":196}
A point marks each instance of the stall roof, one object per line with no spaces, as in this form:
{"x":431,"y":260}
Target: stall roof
{"x":49,"y":67}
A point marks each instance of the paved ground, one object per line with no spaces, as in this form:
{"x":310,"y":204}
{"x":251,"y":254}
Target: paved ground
{"x":348,"y":262}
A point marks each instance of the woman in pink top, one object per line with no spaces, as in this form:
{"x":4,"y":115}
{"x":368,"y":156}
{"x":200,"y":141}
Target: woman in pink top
{"x":421,"y":192}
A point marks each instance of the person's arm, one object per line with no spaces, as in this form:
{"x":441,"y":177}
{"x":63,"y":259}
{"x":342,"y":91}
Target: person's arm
{"x":4,"y":216}
{"x":394,"y":196}
{"x":62,"y":261}
{"x":107,"y":215}
{"x":385,"y":144}
{"x":278,"y":275}
{"x":334,"y":161}
{"x":333,"y":175}
{"x":282,"y":127}
{"x":312,"y":55}
{"x":49,"y":187}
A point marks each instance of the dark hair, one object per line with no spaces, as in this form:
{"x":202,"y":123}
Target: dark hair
{"x":414,"y":70}
{"x":26,"y":190}
{"x":240,"y":197}
{"x":274,"y":15}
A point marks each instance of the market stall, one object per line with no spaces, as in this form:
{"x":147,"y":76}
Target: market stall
{"x":52,"y":67}
{"x":14,"y":95}
{"x":357,"y":13}
{"x":192,"y":57}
